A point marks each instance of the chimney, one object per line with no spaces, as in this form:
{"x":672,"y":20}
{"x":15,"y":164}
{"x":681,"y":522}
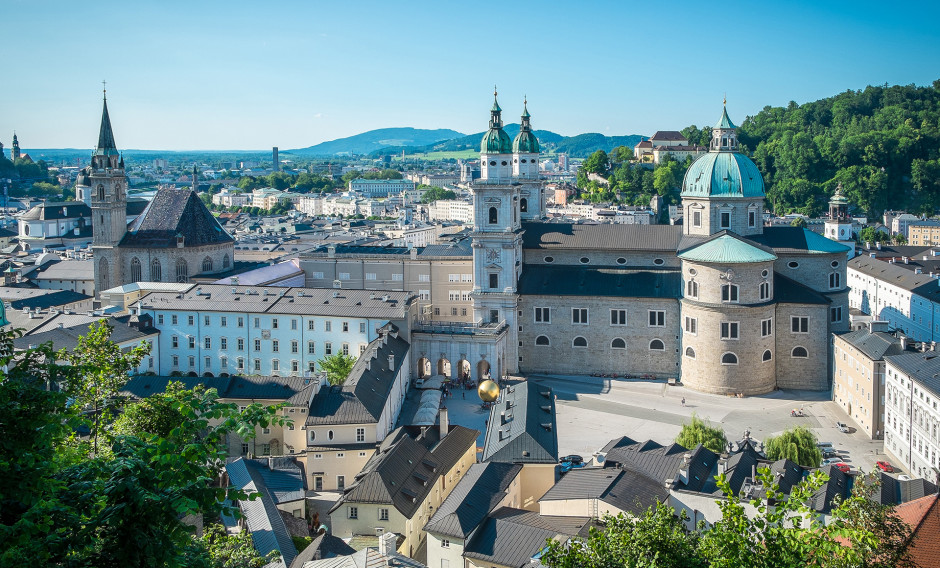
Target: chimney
{"x":445,"y":421}
{"x":918,"y":271}
{"x":905,"y":259}
{"x":391,"y":362}
{"x":414,"y":253}
{"x":878,"y":245}
{"x":387,"y":543}
{"x":871,"y":255}
{"x":331,"y":251}
{"x":877,"y":325}
{"x":684,"y":468}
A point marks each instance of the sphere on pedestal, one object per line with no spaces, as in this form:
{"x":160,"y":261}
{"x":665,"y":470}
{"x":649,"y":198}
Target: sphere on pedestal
{"x":488,"y":391}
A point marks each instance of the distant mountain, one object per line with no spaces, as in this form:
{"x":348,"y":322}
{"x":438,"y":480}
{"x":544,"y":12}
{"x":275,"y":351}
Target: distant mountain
{"x":373,"y":140}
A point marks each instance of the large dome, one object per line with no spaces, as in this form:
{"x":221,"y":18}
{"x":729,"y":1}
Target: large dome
{"x":525,"y":143}
{"x":723,"y":174}
{"x":496,"y":141}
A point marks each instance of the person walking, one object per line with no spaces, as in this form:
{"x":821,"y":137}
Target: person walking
{"x":683,"y":401}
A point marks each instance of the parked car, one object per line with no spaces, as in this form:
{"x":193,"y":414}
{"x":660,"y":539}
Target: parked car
{"x":573,"y":458}
{"x":824,"y":445}
{"x":831,"y":461}
{"x":830,"y":453}
{"x":843,"y":427}
{"x":884,"y":466}
{"x":843,"y":467}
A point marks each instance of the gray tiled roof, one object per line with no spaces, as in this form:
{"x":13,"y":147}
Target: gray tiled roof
{"x":53,"y":210}
{"x":635,"y":493}
{"x":510,"y":537}
{"x":406,"y":467}
{"x":920,"y":284}
{"x":538,"y":279}
{"x":874,"y":345}
{"x":362,"y":398}
{"x":788,"y":291}
{"x":19,"y":298}
{"x":522,"y":426}
{"x":648,"y":458}
{"x":327,"y":545}
{"x":923,"y":368}
{"x":268,"y":531}
{"x":588,"y":483}
{"x":294,"y":390}
{"x":548,"y":236}
{"x":69,"y":270}
{"x":474,"y":497}
{"x":171,"y":213}
{"x":67,"y":336}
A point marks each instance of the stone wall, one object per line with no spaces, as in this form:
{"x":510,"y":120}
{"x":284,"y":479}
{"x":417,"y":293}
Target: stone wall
{"x":812,"y":372}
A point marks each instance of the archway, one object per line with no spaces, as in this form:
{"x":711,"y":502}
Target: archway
{"x":463,"y":369}
{"x":424,"y":367}
{"x":850,"y":409}
{"x":443,"y":367}
{"x":483,"y":370}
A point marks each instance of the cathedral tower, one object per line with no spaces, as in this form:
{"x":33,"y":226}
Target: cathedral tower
{"x":15,"y":149}
{"x":525,"y":168}
{"x":108,"y":206}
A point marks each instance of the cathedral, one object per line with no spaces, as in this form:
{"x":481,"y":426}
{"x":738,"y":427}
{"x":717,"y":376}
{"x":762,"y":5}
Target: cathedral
{"x":721,"y":303}
{"x":175,"y":238}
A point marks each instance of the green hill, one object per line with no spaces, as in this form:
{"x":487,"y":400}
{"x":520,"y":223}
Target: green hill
{"x":373,"y":140}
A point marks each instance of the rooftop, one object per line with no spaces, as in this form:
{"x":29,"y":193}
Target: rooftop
{"x":474,"y":497}
{"x":522,"y":426}
{"x":727,"y":248}
{"x":174,"y":213}
{"x":549,"y":236}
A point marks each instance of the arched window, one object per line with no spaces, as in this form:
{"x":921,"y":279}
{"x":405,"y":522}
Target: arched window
{"x":225,"y":261}
{"x":541,"y":340}
{"x":800,"y":352}
{"x":657,"y":345}
{"x":618,"y":343}
{"x":156,"y":275}
{"x":729,"y":293}
{"x":579,"y":342}
{"x":729,"y":359}
{"x":767,"y":356}
{"x":207,"y":264}
{"x":764,"y":290}
{"x":835,"y":280}
{"x":690,"y":353}
{"x":182,"y":270}
{"x":524,"y":205}
{"x":494,"y":217}
{"x":104,"y":274}
{"x":100,"y":192}
{"x":135,"y":270}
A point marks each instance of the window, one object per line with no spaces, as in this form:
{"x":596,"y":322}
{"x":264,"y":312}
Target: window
{"x":524,"y":204}
{"x":353,"y":511}
{"x":543,"y":315}
{"x":370,"y":275}
{"x":362,"y":327}
{"x":765,"y":290}
{"x":257,"y":345}
{"x":241,"y":344}
{"x":424,"y":294}
{"x":257,"y":323}
{"x":160,"y":319}
{"x":191,"y":320}
{"x":223,"y":321}
{"x":155,"y":272}
{"x":192,"y":361}
{"x":835,"y":281}
{"x":799,"y":324}
{"x":328,"y":348}
{"x":618,"y":343}
{"x":729,"y":293}
{"x":729,"y":359}
{"x":549,"y":259}
{"x":657,"y":345}
{"x":241,"y":322}
{"x":725,"y":219}
{"x":383,"y":514}
{"x":311,"y":348}
{"x":207,"y":264}
{"x":360,"y":434}
{"x":766,"y":327}
{"x":225,"y":261}
{"x":579,"y":316}
{"x":621,"y":260}
{"x":329,"y":434}
{"x":494,"y":281}
{"x":618,"y":317}
{"x":327,"y":326}
{"x":835,"y":314}
{"x":494,"y":217}
{"x":657,"y":318}
{"x":345,"y":349}
{"x":542,"y":340}
{"x":223,"y":362}
{"x":767,"y":356}
{"x":182,"y":270}
{"x":207,"y":341}
{"x":579,"y":342}
{"x":273,"y":323}
{"x":793,"y":264}
{"x":135,"y":270}
{"x":691,"y":289}
{"x":175,"y":342}
{"x":176,"y":361}
{"x":691,"y":325}
{"x":752,"y":218}
{"x":690,"y":353}
{"x":799,"y":352}
{"x":585,"y":260}
{"x":257,"y":363}
{"x":192,"y":342}
{"x":424,"y":278}
{"x":174,"y":319}
{"x":240,"y":362}
{"x":696,"y":218}
{"x":345,"y":327}
{"x":294,"y":346}
{"x":729,"y":330}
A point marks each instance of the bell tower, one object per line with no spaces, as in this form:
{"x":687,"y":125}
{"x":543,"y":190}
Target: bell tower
{"x":108,"y":206}
{"x":839,"y":225}
{"x":525,"y":168}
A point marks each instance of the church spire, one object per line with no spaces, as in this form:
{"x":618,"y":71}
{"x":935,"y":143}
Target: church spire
{"x":106,"y":144}
{"x":195,"y":179}
{"x":496,"y":119}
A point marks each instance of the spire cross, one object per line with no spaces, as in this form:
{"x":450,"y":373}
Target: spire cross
{"x":724,"y":101}
{"x":494,"y":89}
{"x":104,"y":88}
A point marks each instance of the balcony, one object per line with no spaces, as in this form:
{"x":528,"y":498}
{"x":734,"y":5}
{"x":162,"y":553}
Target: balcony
{"x":461,"y":328}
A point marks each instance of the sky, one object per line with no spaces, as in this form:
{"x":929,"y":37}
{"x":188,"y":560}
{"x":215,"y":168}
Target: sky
{"x":206,"y":75}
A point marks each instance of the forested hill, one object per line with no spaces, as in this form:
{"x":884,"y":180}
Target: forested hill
{"x":882,"y":144}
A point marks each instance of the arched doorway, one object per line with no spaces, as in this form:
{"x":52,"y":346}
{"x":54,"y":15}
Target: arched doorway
{"x":463,"y":369}
{"x":443,"y":367}
{"x":483,"y":370}
{"x":424,"y":367}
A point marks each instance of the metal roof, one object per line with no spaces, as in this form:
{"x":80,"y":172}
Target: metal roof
{"x":69,"y":270}
{"x":922,"y":368}
{"x":511,"y":537}
{"x":295,"y":391}
{"x":173,"y":213}
{"x":723,"y":174}
{"x":473,"y":498}
{"x":522,"y":426}
{"x":797,"y":240}
{"x":565,"y":280}
{"x":608,"y":236}
{"x":727,"y":249}
{"x":268,"y":531}
{"x":873,"y":345}
{"x":788,"y":291}
{"x":920,"y":284}
{"x":725,"y":121}
{"x":587,"y":483}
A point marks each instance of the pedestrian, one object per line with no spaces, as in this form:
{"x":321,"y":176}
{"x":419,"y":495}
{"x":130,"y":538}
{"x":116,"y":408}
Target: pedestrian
{"x":683,"y":401}
{"x":464,"y":394}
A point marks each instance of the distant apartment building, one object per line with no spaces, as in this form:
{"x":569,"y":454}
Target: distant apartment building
{"x":267,"y":197}
{"x":926,"y":233}
{"x":666,"y":143}
{"x":380,"y":187}
{"x":902,"y":222}
{"x":907,"y":299}
{"x":440,"y":180}
{"x":231,"y":197}
{"x":451,"y":210}
{"x":912,"y":418}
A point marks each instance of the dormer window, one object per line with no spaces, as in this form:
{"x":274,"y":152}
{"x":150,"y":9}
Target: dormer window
{"x":725,"y":219}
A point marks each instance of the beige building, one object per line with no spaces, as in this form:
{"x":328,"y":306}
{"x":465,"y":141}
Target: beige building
{"x":858,"y":375}
{"x":401,"y":486}
{"x":927,"y":234}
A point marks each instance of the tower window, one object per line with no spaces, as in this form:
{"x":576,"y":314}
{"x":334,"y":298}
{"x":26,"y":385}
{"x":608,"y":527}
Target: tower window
{"x":657,"y":345}
{"x":541,"y":340}
{"x":729,"y":359}
{"x":207,"y":264}
{"x":799,"y":353}
{"x":696,"y":218}
{"x":729,"y":293}
{"x":101,"y":192}
{"x":767,"y":356}
{"x":725,"y":218}
{"x":505,"y":163}
{"x":524,"y":204}
{"x":690,"y":353}
{"x":618,"y":343}
{"x":135,"y":270}
{"x":494,"y":281}
{"x":155,"y":272}
{"x":182,"y":270}
{"x":579,"y":342}
{"x":494,"y":216}
{"x":752,"y":218}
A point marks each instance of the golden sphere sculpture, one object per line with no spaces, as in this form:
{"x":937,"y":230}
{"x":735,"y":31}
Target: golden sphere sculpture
{"x":488,"y":391}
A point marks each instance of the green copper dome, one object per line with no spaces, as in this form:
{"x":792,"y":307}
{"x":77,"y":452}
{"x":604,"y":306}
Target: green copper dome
{"x":496,"y":141}
{"x":723,"y":174}
{"x":525,"y":142}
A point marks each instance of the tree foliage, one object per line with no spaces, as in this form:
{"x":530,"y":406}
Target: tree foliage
{"x":337,"y":367}
{"x":700,"y":431}
{"x":436,"y":194}
{"x":797,"y":444}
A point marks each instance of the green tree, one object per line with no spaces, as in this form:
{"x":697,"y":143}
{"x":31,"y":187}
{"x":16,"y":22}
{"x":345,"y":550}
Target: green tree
{"x":699,"y":431}
{"x":798,"y":222}
{"x":872,"y":235}
{"x":436,"y":194}
{"x":797,"y":444}
{"x":597,"y":163}
{"x":230,"y":551}
{"x":156,"y":415}
{"x":249,"y":183}
{"x":900,"y":239}
{"x":337,"y":367}
{"x":102,"y":369}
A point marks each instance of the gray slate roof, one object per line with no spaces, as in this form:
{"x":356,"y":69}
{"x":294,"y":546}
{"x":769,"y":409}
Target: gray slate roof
{"x":50,"y":211}
{"x":19,"y":298}
{"x":406,"y":467}
{"x":268,"y":531}
{"x":649,"y":458}
{"x":474,"y":497}
{"x":921,"y":284}
{"x":511,"y":537}
{"x":539,"y":279}
{"x":67,"y":336}
{"x":522,"y":426}
{"x":361,"y":399}
{"x":175,"y":212}
{"x":788,"y":291}
{"x":294,"y":390}
{"x":549,"y":236}
{"x":923,"y":368}
{"x":874,"y":345}
{"x":69,"y":270}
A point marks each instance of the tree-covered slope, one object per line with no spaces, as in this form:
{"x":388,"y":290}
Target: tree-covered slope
{"x":372,"y":140}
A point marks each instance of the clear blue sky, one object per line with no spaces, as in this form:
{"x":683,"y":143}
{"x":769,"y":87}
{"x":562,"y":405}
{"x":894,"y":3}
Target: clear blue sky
{"x":251,"y":75}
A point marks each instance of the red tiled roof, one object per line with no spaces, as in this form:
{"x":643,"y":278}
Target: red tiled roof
{"x":923,"y":516}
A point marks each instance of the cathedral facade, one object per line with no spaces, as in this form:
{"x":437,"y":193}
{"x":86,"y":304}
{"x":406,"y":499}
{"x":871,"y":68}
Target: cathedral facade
{"x":173,"y":239}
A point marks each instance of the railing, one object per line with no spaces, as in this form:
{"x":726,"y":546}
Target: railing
{"x":461,"y":328}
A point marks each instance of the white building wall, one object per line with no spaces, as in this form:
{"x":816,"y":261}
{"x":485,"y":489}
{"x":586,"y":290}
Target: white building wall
{"x":912,"y":424}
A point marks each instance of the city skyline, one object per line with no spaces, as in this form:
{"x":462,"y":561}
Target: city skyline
{"x":225,"y":77}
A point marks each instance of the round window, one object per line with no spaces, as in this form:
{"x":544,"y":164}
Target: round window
{"x":693,"y":272}
{"x":492,"y":162}
{"x":835,"y":263}
{"x":514,"y":160}
{"x":764,"y":273}
{"x":659,"y":261}
{"x":549,"y":259}
{"x":793,"y":264}
{"x":621,"y":260}
{"x":505,"y":163}
{"x":585,"y":260}
{"x":523,"y":160}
